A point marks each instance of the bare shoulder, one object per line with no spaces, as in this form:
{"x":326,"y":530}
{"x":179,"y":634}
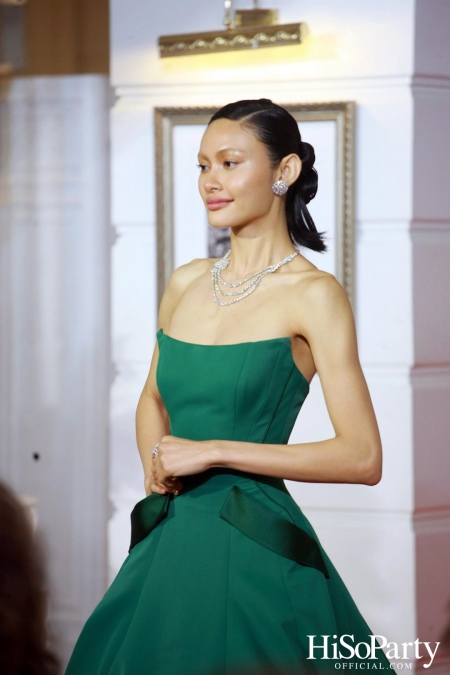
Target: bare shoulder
{"x":179,"y":281}
{"x":185,"y":274}
{"x":323,"y":289}
{"x":322,"y":303}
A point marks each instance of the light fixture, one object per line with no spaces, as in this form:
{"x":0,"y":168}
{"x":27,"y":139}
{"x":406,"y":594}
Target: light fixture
{"x":249,"y":29}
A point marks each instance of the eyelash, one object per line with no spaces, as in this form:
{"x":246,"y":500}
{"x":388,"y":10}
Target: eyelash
{"x":228,"y":161}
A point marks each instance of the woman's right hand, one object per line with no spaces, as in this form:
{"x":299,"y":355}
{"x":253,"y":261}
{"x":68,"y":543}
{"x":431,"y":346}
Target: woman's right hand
{"x":150,"y":486}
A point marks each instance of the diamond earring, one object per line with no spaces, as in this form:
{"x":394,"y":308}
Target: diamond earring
{"x":280,"y":187}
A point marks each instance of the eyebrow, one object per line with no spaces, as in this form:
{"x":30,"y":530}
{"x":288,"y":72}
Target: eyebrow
{"x":223,"y":150}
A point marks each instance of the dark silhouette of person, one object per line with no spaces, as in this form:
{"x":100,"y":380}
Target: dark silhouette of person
{"x":23,"y":594}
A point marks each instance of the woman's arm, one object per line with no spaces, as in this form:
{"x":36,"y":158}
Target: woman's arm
{"x":323,"y":315}
{"x":354,"y":455}
{"x":152,"y":423}
{"x":152,"y":418}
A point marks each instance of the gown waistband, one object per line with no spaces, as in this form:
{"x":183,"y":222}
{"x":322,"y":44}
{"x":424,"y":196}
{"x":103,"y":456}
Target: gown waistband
{"x":233,"y":476}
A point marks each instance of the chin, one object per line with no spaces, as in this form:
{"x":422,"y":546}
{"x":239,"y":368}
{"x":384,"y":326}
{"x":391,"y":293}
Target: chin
{"x":216,"y":220}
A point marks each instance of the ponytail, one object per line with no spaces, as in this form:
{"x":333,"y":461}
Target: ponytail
{"x":301,"y":227}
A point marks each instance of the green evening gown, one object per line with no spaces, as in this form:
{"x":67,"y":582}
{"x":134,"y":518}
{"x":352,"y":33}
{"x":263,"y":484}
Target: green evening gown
{"x":229,"y":576}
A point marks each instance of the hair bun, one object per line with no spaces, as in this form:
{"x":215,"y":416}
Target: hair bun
{"x":308,"y":179}
{"x":307,"y":155}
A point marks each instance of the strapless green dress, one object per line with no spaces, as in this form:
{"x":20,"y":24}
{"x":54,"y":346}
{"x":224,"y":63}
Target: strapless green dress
{"x":229,"y":576}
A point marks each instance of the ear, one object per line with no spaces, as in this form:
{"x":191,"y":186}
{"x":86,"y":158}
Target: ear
{"x":290,"y":168}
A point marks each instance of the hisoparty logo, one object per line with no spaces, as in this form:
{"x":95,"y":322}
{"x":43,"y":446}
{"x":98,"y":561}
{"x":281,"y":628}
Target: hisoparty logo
{"x":320,"y":646}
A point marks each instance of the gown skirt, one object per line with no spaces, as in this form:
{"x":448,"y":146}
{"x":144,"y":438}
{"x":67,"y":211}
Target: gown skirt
{"x":229,"y":576}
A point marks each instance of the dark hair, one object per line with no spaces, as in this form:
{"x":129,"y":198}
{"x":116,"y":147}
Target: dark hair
{"x":23,"y":594}
{"x":278,"y":130}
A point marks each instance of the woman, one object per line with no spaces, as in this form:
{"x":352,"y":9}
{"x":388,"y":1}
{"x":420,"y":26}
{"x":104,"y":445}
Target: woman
{"x":225,"y":575}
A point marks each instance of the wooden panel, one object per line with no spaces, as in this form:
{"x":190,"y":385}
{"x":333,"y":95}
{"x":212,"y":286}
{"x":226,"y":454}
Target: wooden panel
{"x":64,"y":37}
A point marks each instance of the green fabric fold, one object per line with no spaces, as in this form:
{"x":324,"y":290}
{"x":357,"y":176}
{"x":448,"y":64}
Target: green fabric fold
{"x":270,"y":530}
{"x":146,"y":514}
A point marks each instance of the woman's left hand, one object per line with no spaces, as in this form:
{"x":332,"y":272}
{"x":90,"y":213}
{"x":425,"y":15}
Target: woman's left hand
{"x":179,"y":457}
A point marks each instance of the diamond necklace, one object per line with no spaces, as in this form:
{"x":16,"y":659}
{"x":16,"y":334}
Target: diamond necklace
{"x":216,"y":276}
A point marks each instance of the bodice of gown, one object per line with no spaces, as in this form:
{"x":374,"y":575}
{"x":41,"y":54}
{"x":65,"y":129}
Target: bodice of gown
{"x":249,"y":391}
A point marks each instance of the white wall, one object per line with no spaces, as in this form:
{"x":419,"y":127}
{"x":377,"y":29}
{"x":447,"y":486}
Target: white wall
{"x":367,"y":52}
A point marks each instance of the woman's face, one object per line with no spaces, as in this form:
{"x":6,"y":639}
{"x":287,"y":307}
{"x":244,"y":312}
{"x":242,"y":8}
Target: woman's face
{"x":235,"y":175}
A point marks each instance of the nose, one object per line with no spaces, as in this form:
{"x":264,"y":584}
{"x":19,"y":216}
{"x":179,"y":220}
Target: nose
{"x":211,"y":181}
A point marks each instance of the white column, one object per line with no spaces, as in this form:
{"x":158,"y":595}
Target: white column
{"x":55,"y":328}
{"x":430,"y":376}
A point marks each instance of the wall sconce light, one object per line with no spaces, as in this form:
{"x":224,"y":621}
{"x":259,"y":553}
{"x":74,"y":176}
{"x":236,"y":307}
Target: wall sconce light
{"x":250,"y":29}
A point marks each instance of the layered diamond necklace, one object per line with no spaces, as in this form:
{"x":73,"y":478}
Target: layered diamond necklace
{"x":216,"y":277}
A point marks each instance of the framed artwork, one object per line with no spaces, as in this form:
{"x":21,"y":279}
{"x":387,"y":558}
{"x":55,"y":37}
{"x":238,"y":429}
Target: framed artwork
{"x":183,"y":231}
